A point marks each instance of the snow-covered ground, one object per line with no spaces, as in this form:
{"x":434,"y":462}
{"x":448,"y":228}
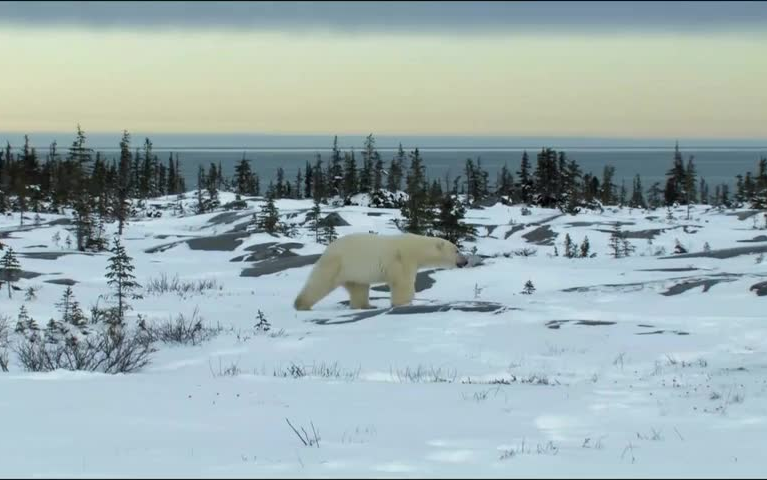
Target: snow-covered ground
{"x":640,"y":366}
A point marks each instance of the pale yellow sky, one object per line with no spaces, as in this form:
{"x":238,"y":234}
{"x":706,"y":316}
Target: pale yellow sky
{"x":659,"y":85}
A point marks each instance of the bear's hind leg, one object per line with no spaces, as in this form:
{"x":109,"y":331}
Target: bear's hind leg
{"x":322,"y":280}
{"x":359,"y":295}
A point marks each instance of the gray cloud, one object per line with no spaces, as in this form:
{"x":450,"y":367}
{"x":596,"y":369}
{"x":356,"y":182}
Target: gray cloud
{"x":395,"y":17}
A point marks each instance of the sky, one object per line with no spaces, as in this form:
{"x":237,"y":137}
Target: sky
{"x":573,"y":69}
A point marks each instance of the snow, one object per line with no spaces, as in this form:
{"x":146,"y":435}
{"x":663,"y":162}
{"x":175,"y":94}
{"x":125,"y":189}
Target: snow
{"x":645,"y":385}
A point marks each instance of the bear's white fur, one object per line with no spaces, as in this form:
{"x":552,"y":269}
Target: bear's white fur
{"x":358,"y":260}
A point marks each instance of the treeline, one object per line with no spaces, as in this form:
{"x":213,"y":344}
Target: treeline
{"x":100,"y":190}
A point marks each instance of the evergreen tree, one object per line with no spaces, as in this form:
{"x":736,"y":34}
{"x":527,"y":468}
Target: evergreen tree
{"x":529,"y":288}
{"x":328,"y":233}
{"x":623,"y":194}
{"x":585,"y":248}
{"x":122,"y":206}
{"x":11,"y":269}
{"x":308,"y":181}
{"x":270,"y":215}
{"x":350,"y":175}
{"x":121,"y":280}
{"x":335,"y":171}
{"x":244,"y":179}
{"x":396,"y":169}
{"x":318,"y":183}
{"x":607,"y":192}
{"x":369,"y":157}
{"x":416,"y":209}
{"x":637,"y":198}
{"x":525,"y":187}
{"x":315,"y":216}
{"x":570,"y":248}
{"x":676,"y":180}
{"x":299,"y":182}
{"x":654,"y":196}
{"x":450,"y":223}
{"x":616,"y":241}
{"x":690,"y":183}
{"x":200,"y":185}
{"x":378,"y":173}
{"x":505,"y":184}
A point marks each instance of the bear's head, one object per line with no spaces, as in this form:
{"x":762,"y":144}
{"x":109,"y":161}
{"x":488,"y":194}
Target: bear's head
{"x":446,"y":255}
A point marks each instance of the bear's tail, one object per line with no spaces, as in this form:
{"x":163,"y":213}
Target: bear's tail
{"x":322,"y":280}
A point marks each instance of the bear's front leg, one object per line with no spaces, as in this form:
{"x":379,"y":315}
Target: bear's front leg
{"x":359,"y":295}
{"x":402,"y":293}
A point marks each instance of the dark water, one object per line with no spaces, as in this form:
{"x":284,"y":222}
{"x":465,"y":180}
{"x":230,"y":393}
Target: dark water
{"x":715,"y":165}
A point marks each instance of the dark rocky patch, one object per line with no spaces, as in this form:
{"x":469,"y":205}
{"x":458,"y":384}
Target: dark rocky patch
{"x":223,"y":242}
{"x":62,"y":281}
{"x":375,"y":214}
{"x":556,"y":324}
{"x":513,"y":230}
{"x":267,"y":251}
{"x":688,"y":285}
{"x":483,"y":307}
{"x":164,"y":236}
{"x":759,"y":238}
{"x":541,"y":236}
{"x":227,"y":217}
{"x":744,"y":215}
{"x":679,"y":269}
{"x":50,"y":255}
{"x":236,"y":205}
{"x":760,"y":288}
{"x":59,"y":221}
{"x":659,"y":332}
{"x":19,"y":274}
{"x":645,"y":326}
{"x":335,"y":220}
{"x":589,"y":224}
{"x":723,"y":253}
{"x":276,"y":265}
{"x":423,"y":281}
{"x":607,"y":285}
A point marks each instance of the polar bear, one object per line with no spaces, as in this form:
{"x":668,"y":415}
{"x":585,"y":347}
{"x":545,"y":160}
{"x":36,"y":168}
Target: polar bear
{"x":357,"y":260}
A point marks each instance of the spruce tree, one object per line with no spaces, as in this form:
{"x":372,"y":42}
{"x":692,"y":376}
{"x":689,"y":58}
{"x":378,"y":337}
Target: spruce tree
{"x":335,"y":171}
{"x":607,"y":191}
{"x":328,"y":233}
{"x":270,"y":215}
{"x":11,"y":269}
{"x":122,"y":206}
{"x":396,"y":169}
{"x":315,"y":216}
{"x":637,"y":198}
{"x":350,"y":175}
{"x":416,"y":209}
{"x":450,"y":223}
{"x":616,"y":241}
{"x":585,"y":248}
{"x":525,"y":180}
{"x":121,"y":280}
{"x":529,"y":288}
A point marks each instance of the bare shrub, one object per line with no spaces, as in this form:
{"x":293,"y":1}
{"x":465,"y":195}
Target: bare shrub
{"x":106,"y":350}
{"x":183,"y":288}
{"x":182,"y":330}
{"x":316,"y":370}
